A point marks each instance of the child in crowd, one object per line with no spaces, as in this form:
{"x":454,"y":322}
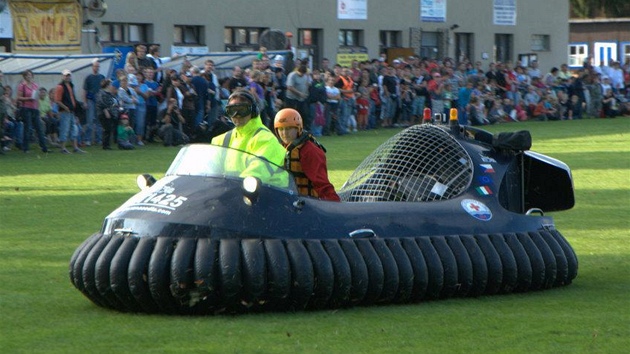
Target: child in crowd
{"x":564,"y":105}
{"x":352,"y":123}
{"x":509,"y":111}
{"x":521,"y":111}
{"x":546,"y":110}
{"x":576,"y":107}
{"x":495,"y":111}
{"x":476,"y":112}
{"x":126,"y":134}
{"x":319,"y":120}
{"x":610,"y":104}
{"x":363,"y":109}
{"x":48,"y":116}
{"x":375,"y":106}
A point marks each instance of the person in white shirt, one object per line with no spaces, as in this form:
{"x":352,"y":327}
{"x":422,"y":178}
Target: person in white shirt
{"x":606,"y":83}
{"x":154,"y":54}
{"x":533,"y":70}
{"x":616,"y":77}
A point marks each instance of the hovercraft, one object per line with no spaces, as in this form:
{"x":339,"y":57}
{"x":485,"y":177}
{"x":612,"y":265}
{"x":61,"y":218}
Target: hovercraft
{"x":435,"y":212}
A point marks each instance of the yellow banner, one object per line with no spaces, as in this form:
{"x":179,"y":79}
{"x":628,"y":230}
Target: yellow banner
{"x":46,"y":25}
{"x":345,"y":59}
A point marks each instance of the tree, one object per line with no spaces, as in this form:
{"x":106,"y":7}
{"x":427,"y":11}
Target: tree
{"x":599,"y":8}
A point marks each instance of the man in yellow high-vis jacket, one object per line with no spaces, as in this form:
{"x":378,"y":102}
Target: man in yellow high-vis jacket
{"x":252,"y":136}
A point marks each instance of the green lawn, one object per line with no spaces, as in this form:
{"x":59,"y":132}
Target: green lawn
{"x":51,"y":203}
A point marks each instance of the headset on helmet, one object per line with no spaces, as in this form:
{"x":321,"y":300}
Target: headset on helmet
{"x":288,"y":117}
{"x":248,"y":96}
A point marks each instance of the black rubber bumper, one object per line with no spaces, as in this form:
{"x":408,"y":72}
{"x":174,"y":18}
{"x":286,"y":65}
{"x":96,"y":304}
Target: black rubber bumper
{"x":210,"y":276}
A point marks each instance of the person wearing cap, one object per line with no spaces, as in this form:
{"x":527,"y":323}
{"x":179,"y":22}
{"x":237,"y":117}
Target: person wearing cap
{"x":250,"y":135}
{"x":305,"y":158}
{"x":91,"y":87}
{"x":605,"y":83}
{"x":67,"y":103}
{"x":200,"y":84}
{"x":278,"y":61}
{"x":125,"y":135}
{"x":279,"y":80}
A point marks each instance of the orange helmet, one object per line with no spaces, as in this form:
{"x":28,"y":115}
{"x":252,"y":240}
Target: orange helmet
{"x":288,"y":117}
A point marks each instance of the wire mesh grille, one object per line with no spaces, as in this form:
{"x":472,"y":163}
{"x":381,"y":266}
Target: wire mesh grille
{"x":420,"y":164}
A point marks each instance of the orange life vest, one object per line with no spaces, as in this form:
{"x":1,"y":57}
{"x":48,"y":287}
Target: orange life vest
{"x":348,"y":84}
{"x":292,"y":163}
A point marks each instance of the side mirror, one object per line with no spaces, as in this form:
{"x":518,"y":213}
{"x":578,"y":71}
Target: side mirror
{"x":145,"y":181}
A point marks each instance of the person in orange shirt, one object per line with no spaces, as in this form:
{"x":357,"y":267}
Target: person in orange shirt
{"x":68,"y":125}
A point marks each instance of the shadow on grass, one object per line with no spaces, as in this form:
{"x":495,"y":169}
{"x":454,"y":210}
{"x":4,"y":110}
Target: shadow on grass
{"x":595,"y":160}
{"x":590,"y":127}
{"x":45,"y":216}
{"x":150,"y":158}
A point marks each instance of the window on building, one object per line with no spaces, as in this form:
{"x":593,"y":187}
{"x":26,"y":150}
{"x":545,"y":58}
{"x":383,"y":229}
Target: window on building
{"x":349,"y":38}
{"x":604,"y":53}
{"x":307,"y":37}
{"x":124,"y":32}
{"x":429,"y":45}
{"x":390,"y":39}
{"x":464,"y":46}
{"x":625,"y":53}
{"x":577,"y":54}
{"x":309,"y":41}
{"x":187,"y":35}
{"x":526,"y":59}
{"x":503,"y":44}
{"x":540,"y":43}
{"x":241,"y":38}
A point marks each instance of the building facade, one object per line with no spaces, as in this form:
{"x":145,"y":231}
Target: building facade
{"x":480,"y":30}
{"x":600,"y":41}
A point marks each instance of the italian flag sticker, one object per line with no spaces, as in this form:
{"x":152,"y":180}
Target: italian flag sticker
{"x":484,"y":190}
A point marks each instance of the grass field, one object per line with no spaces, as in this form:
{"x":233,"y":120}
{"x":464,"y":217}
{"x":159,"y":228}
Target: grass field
{"x":51,"y":203}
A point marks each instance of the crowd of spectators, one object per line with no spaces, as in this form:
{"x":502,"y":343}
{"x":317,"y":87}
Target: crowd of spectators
{"x":174,"y":107}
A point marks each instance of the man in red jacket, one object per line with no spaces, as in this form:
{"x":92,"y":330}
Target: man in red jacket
{"x":305,"y":157}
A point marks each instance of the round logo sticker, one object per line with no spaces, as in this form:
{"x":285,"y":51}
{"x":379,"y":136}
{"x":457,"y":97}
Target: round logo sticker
{"x":476,"y":209}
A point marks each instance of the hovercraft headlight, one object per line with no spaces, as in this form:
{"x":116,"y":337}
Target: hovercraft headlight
{"x":251,"y":187}
{"x":145,"y":181}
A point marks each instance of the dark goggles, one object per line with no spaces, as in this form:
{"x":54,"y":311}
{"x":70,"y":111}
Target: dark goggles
{"x":238,"y":110}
